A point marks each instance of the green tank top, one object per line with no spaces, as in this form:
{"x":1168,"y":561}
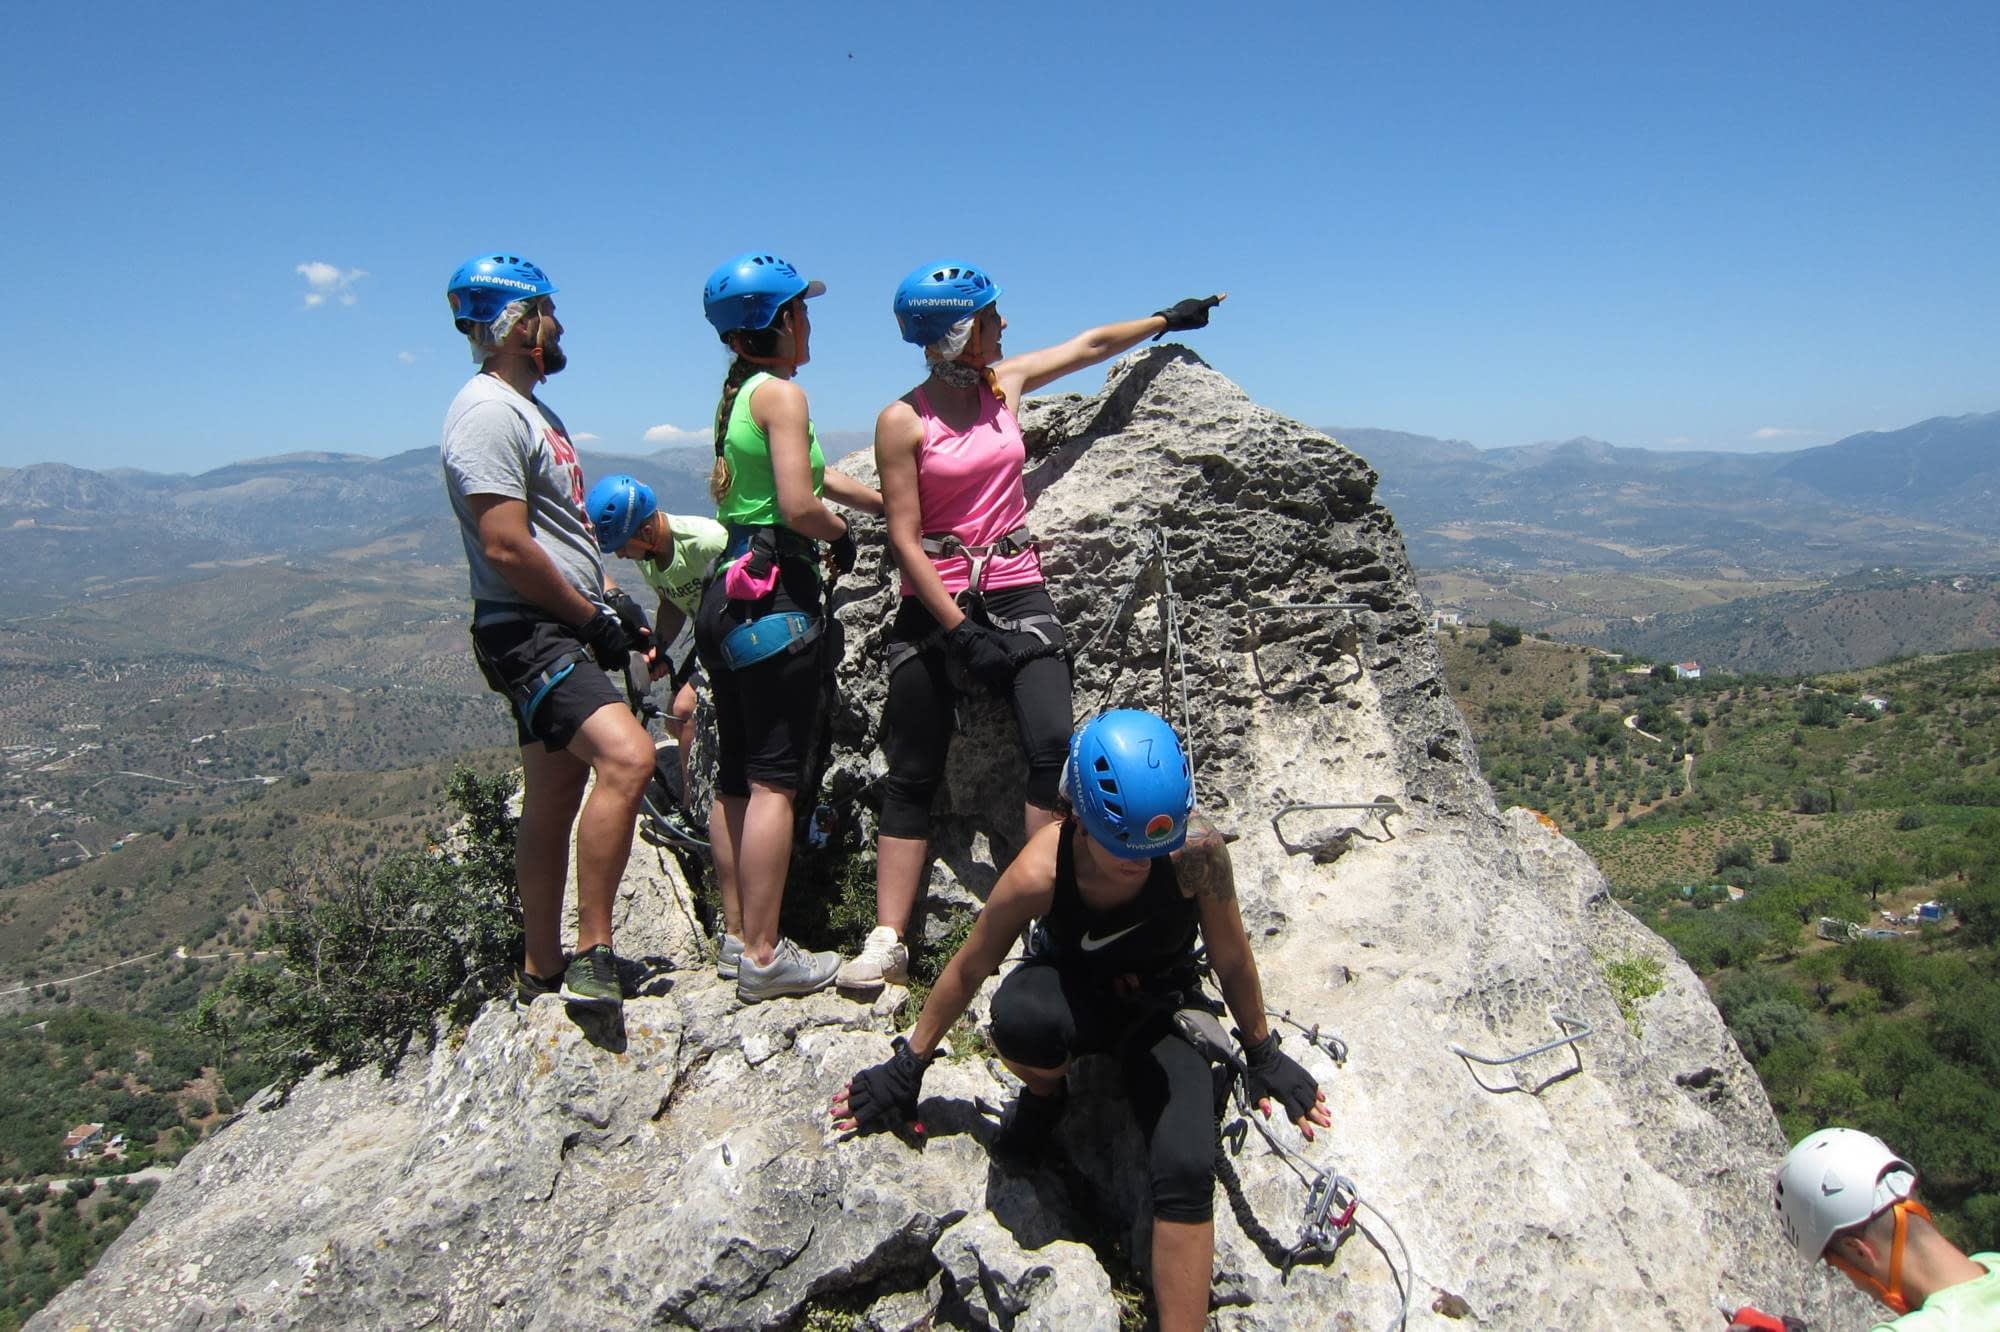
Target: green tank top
{"x":752,"y":498}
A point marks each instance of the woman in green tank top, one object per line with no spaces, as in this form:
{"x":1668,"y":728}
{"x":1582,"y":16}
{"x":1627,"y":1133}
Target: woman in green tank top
{"x":769,"y":480}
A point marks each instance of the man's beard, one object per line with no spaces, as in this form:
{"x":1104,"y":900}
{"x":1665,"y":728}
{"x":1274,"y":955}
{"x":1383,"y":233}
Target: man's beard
{"x":553,"y":358}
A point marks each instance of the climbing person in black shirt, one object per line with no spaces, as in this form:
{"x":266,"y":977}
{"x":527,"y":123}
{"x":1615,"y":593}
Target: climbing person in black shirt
{"x":1125,"y":884}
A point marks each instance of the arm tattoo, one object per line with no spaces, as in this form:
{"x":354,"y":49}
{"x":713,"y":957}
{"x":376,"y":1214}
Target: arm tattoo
{"x":1205,"y":867}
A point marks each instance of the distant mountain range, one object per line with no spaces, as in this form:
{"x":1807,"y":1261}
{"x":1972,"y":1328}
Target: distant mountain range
{"x":1924,"y":497}
{"x":62,"y":526}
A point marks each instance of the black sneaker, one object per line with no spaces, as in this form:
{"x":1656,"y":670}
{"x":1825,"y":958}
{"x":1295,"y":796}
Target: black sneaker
{"x":529,"y":987}
{"x":592,"y":979}
{"x":1028,"y":1127}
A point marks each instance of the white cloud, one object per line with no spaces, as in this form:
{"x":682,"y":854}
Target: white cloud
{"x":1776,"y":432}
{"x":582,"y":437}
{"x":673,"y":434}
{"x":1678,"y":441}
{"x":329,"y":282}
{"x":407,"y":357}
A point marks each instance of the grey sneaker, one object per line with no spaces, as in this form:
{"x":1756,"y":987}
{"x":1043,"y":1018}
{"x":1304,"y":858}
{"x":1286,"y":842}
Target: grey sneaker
{"x":792,"y":971}
{"x":883,"y":960}
{"x":728,"y":956}
{"x":592,"y":980}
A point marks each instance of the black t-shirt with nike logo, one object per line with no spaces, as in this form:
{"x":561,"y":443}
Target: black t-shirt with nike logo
{"x":1153,"y":935}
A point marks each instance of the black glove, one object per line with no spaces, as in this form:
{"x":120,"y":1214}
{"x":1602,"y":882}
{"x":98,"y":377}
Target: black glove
{"x":1275,"y":1075}
{"x":630,"y":614}
{"x":1187,"y":314}
{"x":607,"y":640}
{"x":885,"y":1095}
{"x":842,"y":551}
{"x":982,"y":652}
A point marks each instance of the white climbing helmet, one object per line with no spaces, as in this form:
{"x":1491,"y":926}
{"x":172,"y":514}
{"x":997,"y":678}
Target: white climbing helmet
{"x":1834,"y":1179}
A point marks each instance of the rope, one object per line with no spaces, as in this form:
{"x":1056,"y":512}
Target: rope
{"x":1173,"y":655}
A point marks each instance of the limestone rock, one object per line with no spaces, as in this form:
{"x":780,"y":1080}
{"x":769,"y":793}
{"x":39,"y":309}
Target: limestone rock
{"x":677,"y":1172}
{"x":1056,"y":1285}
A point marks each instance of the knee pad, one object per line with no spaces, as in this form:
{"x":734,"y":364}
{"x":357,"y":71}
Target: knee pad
{"x":1045,"y":784}
{"x":1183,"y":1175}
{"x":906,"y":806}
{"x":1031,"y":1022}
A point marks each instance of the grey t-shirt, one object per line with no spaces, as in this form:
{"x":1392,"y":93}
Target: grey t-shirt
{"x":497,"y":442}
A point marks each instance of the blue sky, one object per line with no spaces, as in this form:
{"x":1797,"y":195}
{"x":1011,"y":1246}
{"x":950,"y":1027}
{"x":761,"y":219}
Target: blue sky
{"x":1717,"y":226}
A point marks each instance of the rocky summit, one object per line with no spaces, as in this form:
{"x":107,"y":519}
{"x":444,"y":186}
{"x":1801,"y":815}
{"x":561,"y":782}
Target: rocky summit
{"x":1234,"y":570}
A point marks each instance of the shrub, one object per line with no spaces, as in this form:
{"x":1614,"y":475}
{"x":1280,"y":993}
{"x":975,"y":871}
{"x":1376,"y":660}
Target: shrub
{"x":1884,"y":966}
{"x":1633,"y":980}
{"x":1767,"y":1024}
{"x":1736,"y":855}
{"x":370,"y":959}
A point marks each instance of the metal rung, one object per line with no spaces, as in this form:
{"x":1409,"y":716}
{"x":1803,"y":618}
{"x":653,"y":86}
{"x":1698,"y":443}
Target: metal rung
{"x":1283,"y":606}
{"x":1381,"y":806}
{"x":1568,"y":1038}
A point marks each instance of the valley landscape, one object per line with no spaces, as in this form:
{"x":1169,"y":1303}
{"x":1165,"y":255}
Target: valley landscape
{"x":281,"y":680}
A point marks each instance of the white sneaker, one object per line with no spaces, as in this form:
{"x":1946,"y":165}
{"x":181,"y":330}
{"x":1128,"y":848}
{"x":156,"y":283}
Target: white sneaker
{"x":792,"y":971}
{"x":728,"y":957}
{"x":882,"y":961}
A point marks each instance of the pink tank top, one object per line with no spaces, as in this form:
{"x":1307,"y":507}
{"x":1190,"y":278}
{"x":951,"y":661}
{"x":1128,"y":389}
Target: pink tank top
{"x":969,"y":484}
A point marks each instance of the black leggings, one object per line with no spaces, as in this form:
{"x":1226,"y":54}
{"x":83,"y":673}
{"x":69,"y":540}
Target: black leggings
{"x":1044,"y":1016}
{"x":922,"y":702}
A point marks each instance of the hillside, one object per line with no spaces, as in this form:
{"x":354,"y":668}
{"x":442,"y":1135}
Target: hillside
{"x":53,"y":516}
{"x":1850,"y":622}
{"x":1922,"y":498}
{"x":1763,"y":806}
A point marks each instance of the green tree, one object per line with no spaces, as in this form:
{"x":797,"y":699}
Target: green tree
{"x":372,"y":959}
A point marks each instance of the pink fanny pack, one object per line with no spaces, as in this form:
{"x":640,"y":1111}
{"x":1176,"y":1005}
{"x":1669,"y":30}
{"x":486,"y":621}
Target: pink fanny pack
{"x":743,"y":585}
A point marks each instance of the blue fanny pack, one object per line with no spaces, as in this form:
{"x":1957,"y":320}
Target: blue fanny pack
{"x":768,"y":635}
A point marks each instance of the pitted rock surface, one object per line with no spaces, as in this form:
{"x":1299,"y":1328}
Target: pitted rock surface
{"x":679,"y":1173}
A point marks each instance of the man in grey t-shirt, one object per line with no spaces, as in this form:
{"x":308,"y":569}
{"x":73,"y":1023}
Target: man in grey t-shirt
{"x":542,"y":611}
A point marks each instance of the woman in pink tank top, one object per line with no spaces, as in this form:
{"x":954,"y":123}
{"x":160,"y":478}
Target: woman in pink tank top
{"x":975,"y":613}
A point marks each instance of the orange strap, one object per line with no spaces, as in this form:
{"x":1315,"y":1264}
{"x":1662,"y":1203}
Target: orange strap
{"x":1890,"y":1295}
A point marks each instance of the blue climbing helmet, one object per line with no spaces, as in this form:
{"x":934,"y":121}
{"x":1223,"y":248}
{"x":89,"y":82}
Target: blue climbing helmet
{"x":1128,"y":780}
{"x":749,"y":290}
{"x":936,"y":296}
{"x":486,"y":284}
{"x":618,"y":507}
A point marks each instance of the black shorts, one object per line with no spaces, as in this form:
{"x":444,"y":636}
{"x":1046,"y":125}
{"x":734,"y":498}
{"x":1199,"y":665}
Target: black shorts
{"x":768,"y":715}
{"x":546,"y":674}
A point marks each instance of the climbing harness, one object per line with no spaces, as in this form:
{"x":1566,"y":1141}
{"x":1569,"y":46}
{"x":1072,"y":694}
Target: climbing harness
{"x":750,"y":563}
{"x":766,"y":636}
{"x":945,"y":545}
{"x":1045,"y":628}
{"x":529,"y":694}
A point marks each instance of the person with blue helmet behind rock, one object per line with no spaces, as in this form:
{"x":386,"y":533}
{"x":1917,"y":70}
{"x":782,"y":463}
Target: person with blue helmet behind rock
{"x":760,"y":624}
{"x":675,"y":553}
{"x":975,"y":613}
{"x":1127,"y":885}
{"x":542,"y":612}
